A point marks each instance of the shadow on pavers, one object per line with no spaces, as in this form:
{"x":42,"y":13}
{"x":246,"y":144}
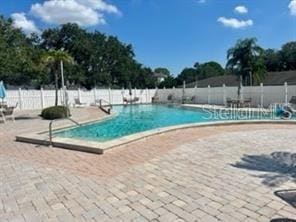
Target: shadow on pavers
{"x":282,"y":220}
{"x":280,"y":167}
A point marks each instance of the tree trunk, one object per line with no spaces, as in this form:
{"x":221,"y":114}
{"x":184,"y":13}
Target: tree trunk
{"x":56,"y":87}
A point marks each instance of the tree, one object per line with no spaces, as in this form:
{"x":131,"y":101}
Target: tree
{"x":200,"y":71}
{"x":187,"y":75}
{"x":18,"y":64}
{"x":245,"y":59}
{"x":164,"y":71}
{"x":53,"y":59}
{"x":99,"y":59}
{"x":104,"y":60}
{"x":288,"y":54}
{"x":272,"y":60}
{"x":210,"y":69}
{"x":169,"y":82}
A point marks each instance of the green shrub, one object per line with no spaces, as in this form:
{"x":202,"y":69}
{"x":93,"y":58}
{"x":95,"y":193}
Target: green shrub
{"x":55,"y":112}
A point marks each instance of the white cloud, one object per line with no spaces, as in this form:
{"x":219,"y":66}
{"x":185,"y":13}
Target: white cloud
{"x":20,"y":21}
{"x":292,"y":7}
{"x":235,"y":23}
{"x":82,"y":12}
{"x":241,"y":9}
{"x":99,"y":5}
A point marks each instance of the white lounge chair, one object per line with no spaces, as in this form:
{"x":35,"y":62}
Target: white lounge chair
{"x":132,"y":100}
{"x":292,"y":103}
{"x":2,"y":115}
{"x":8,"y":112}
{"x":3,"y":104}
{"x":78,"y":103}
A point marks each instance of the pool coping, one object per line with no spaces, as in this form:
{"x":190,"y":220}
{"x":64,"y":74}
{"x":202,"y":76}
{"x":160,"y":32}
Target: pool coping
{"x":41,"y":138}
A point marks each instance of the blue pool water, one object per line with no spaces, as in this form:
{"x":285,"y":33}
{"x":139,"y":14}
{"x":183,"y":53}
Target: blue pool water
{"x":138,"y":118}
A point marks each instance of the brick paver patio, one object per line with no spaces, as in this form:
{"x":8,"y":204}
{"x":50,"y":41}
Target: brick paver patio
{"x":229,"y":173}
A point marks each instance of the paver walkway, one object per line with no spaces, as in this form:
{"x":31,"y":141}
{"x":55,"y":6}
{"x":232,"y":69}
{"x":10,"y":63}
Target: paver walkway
{"x":208,"y":174}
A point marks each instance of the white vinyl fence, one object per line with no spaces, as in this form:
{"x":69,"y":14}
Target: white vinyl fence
{"x":261,"y":95}
{"x":39,"y":99}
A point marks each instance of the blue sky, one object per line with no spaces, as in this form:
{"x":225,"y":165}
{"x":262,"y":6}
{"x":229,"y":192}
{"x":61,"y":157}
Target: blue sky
{"x":167,"y":33}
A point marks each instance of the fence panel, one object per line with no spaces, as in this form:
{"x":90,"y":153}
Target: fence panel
{"x":291,"y":92}
{"x":254,"y":93}
{"x":260,"y":95}
{"x":39,"y":99}
{"x":216,"y":96}
{"x":273,"y":94}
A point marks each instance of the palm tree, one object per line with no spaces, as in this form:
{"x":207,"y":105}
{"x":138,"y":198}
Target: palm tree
{"x":245,"y":59}
{"x":55,"y":59}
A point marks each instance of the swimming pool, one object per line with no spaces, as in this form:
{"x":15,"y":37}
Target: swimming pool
{"x":139,"y":118}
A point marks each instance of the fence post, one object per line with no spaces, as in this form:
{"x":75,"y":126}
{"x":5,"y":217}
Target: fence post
{"x":20,"y":98}
{"x":224,"y":95}
{"x":95,"y":94}
{"x":149,"y":94}
{"x":61,"y":97}
{"x":42,"y":98}
{"x":173,"y":92}
{"x":286,"y":93}
{"x":109,"y":94}
{"x":79,"y":94}
{"x":195,"y":99}
{"x":122,"y":95}
{"x":183,"y":92}
{"x":262,"y":94}
{"x":242,"y":92}
{"x":209,"y":94}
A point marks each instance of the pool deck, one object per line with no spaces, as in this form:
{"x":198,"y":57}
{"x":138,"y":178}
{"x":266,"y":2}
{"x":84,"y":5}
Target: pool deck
{"x":42,"y":137}
{"x":215,"y":173}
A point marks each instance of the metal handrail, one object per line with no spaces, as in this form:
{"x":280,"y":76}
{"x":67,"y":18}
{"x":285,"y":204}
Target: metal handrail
{"x":55,"y":120}
{"x":108,"y":105}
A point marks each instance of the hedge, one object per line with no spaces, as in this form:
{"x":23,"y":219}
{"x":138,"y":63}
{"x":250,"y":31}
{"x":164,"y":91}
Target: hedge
{"x":55,"y":112}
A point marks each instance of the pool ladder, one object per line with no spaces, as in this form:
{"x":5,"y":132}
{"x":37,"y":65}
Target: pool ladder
{"x":55,"y":120}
